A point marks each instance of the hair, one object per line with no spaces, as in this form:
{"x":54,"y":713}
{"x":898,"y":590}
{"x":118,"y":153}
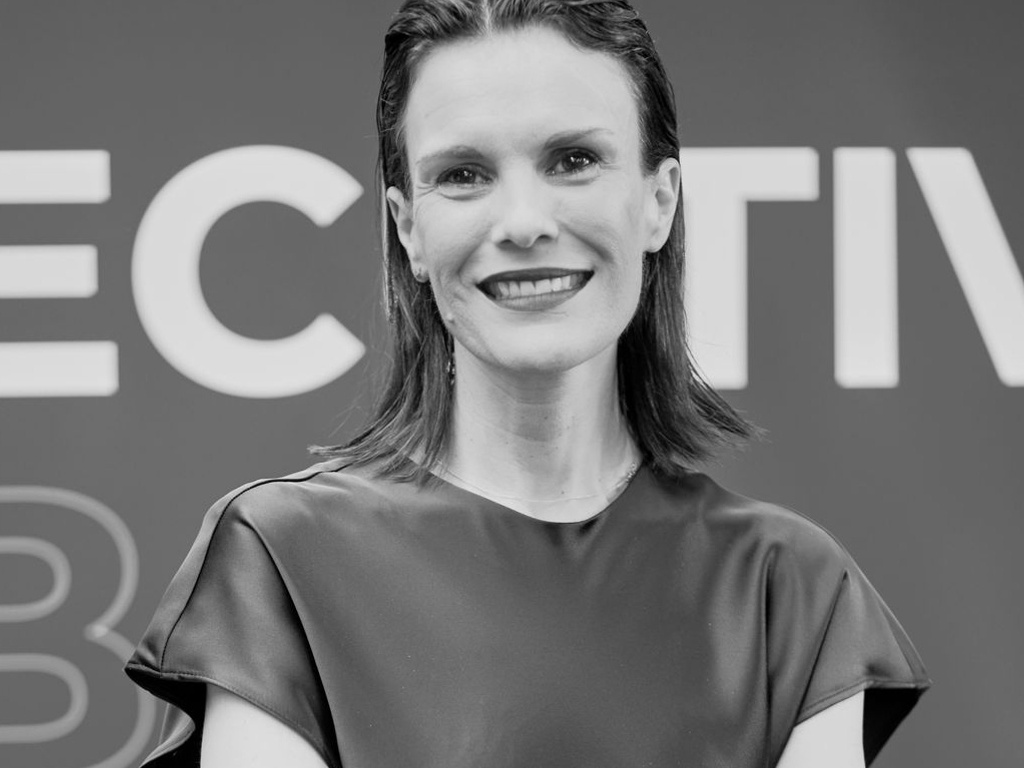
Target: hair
{"x":674,"y":416}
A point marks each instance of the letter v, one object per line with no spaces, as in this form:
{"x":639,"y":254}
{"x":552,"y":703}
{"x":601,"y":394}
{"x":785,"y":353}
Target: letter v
{"x":977,"y":247}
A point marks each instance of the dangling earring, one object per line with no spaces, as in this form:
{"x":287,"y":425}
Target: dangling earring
{"x":450,"y":365}
{"x":419,"y":275}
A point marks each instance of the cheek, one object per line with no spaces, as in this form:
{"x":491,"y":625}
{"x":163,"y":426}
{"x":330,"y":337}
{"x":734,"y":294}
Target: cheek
{"x":445,"y":239}
{"x":445,"y":236}
{"x":609,"y":222}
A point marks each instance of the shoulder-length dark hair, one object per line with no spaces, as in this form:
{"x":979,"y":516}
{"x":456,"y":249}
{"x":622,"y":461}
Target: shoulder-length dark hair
{"x":675,"y":417}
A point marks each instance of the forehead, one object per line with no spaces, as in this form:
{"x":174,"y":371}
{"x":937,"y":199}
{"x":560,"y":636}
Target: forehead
{"x":516,"y":86}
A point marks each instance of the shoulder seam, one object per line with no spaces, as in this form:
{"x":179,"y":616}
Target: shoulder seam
{"x":310,"y":473}
{"x":795,"y":512}
{"x":835,"y":540}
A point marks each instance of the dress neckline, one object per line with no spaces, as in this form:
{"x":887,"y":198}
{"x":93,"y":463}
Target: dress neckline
{"x":480,"y":499}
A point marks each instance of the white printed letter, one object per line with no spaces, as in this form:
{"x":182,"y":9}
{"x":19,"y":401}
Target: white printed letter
{"x":980,"y":253}
{"x":717,"y":185}
{"x":866,"y":301}
{"x":53,"y":368}
{"x":165,"y":272}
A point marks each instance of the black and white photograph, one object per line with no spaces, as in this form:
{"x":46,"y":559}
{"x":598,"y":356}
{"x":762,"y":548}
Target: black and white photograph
{"x":511,"y":384}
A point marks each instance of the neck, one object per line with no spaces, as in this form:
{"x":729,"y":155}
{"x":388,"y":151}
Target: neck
{"x":540,"y":436}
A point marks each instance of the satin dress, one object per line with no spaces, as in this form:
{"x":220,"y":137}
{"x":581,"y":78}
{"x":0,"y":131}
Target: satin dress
{"x":395,"y":625}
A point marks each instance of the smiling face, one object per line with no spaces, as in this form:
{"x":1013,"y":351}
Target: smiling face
{"x":528,"y":209}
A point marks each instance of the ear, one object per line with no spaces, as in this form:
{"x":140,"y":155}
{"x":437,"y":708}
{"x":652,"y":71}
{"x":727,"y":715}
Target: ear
{"x":663,"y":199}
{"x":401,"y":212}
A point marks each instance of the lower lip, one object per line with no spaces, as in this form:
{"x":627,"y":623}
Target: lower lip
{"x":538,"y":302}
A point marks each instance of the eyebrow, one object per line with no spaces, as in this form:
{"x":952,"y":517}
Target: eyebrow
{"x":469,"y":152}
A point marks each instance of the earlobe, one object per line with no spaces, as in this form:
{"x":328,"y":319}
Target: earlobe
{"x":665,"y":194}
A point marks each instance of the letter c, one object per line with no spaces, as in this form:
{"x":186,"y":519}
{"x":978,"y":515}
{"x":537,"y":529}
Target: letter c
{"x":165,"y":272}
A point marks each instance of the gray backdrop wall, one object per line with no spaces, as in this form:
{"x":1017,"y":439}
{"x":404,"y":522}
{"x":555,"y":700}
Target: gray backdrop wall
{"x":852,"y":181}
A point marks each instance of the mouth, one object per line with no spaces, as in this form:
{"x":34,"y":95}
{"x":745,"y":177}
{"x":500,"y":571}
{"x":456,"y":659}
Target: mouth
{"x":533,"y":285}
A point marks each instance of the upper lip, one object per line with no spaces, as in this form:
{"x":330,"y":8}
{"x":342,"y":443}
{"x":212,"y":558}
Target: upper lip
{"x":529,"y":275}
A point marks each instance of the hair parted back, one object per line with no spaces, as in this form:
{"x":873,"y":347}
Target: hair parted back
{"x":675,"y":417}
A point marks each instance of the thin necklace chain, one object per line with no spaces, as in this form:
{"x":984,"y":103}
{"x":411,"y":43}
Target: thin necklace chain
{"x":630,"y":473}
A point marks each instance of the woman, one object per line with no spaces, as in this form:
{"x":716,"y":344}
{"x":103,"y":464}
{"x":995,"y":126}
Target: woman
{"x":515,"y":565}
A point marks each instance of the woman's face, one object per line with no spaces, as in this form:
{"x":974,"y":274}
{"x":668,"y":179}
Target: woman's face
{"x":529,"y":211}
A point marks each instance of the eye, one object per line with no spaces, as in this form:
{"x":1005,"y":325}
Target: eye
{"x":574,"y":161}
{"x":461,"y":176}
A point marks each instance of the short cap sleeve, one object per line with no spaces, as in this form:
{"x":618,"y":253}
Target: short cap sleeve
{"x":227,"y":618}
{"x":831,"y":635}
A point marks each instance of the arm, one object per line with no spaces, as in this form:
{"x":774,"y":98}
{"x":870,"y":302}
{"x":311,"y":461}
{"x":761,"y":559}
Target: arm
{"x":237,"y":733}
{"x":833,"y":737}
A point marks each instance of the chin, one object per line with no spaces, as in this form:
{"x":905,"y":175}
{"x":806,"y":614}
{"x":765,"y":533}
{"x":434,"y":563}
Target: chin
{"x":548,"y":358}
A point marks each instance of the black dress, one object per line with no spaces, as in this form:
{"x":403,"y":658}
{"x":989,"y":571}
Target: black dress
{"x":398,"y":626}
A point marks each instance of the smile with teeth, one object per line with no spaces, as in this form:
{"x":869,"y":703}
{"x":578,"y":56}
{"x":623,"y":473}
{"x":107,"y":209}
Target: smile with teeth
{"x":513,"y":289}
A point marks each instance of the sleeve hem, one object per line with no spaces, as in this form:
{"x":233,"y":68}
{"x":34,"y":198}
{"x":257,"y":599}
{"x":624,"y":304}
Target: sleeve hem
{"x":829,"y":699}
{"x":156,"y":680}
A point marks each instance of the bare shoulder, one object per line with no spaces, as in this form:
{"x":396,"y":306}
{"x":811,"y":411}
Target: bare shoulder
{"x":833,"y":737}
{"x":238,"y":733}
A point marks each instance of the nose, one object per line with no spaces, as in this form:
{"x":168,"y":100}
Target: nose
{"x":524,"y":211}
